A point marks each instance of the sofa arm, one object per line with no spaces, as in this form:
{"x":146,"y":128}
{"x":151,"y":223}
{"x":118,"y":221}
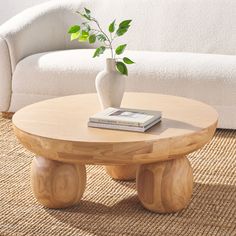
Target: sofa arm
{"x":37,"y":29}
{"x":5,"y":76}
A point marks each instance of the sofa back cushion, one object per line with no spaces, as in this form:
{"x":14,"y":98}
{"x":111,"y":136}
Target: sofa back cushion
{"x":203,"y":26}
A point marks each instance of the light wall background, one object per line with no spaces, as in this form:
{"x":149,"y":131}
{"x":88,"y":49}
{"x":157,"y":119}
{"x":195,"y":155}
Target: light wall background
{"x":9,"y":8}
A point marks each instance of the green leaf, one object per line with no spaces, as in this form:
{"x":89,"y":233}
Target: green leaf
{"x":92,"y":38}
{"x":74,"y":36}
{"x":120,"y":49}
{"x":86,"y":26}
{"x":74,"y":29}
{"x":121,"y":67}
{"x":87,"y":11}
{"x":96,"y":53}
{"x":101,"y":37}
{"x":121,"y":31}
{"x":112,"y":27}
{"x":99,"y":51}
{"x":123,"y":27}
{"x":86,"y":16}
{"x":127,"y":60}
{"x":83,"y":36}
{"x":125,"y":23}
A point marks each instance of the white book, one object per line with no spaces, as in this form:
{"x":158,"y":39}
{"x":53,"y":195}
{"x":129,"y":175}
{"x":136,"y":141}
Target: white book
{"x":122,"y":127}
{"x":126,"y":116}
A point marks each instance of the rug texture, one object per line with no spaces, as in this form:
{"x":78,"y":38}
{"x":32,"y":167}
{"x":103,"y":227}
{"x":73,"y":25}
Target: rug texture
{"x":111,"y":207}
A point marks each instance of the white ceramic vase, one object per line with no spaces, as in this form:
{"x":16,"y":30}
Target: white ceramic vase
{"x":110,"y":85}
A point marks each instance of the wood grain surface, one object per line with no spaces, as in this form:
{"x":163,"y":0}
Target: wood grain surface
{"x":56,"y":184}
{"x":122,"y":172}
{"x":166,"y":186}
{"x":57,"y":129}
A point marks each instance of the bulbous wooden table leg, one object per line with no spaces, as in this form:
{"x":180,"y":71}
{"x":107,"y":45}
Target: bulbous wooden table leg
{"x":122,"y":172}
{"x":56,"y":184}
{"x":165,"y":187}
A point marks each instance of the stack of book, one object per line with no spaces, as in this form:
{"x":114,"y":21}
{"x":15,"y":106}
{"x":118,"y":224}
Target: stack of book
{"x":125,"y":119}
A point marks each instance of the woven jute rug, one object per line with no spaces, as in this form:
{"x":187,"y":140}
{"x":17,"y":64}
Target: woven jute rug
{"x":112,"y":207}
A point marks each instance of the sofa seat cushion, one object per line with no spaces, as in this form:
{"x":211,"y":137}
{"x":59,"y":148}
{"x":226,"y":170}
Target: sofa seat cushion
{"x":206,"y":77}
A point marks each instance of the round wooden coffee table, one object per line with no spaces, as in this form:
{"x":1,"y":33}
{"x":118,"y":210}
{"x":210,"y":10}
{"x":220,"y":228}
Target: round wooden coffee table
{"x":56,"y":131}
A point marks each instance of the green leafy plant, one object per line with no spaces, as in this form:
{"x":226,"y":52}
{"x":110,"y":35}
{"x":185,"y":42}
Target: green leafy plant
{"x":91,"y":31}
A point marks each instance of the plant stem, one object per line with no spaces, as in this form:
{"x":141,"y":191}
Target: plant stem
{"x":108,"y":39}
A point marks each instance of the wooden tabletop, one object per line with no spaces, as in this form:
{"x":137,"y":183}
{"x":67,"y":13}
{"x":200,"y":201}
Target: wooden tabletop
{"x":57,"y":129}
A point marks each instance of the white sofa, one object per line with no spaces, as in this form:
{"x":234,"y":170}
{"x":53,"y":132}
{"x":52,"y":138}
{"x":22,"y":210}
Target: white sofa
{"x":181,"y":47}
